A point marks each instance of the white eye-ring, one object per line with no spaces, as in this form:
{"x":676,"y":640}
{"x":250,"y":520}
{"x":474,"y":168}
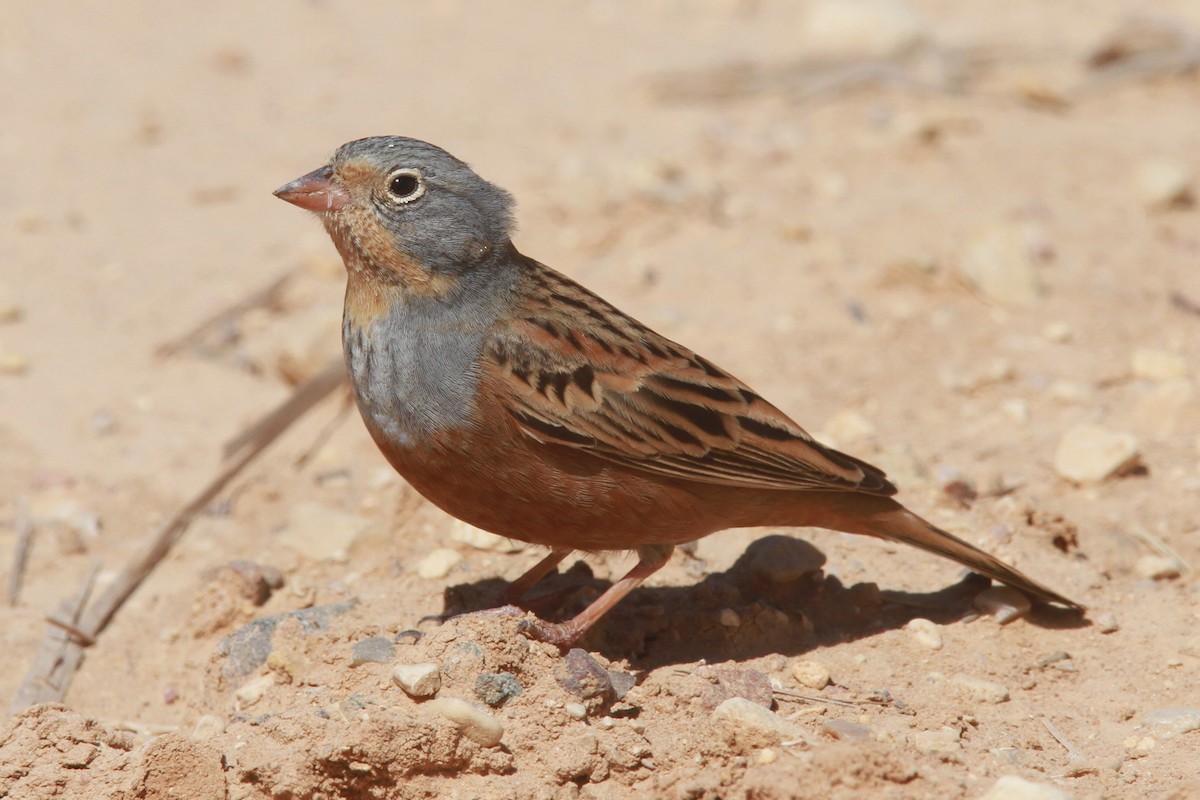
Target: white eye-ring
{"x":405,"y":185}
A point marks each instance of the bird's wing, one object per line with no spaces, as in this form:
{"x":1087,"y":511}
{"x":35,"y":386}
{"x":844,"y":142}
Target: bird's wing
{"x":574,"y":371}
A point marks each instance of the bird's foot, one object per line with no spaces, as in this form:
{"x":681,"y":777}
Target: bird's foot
{"x":560,"y":634}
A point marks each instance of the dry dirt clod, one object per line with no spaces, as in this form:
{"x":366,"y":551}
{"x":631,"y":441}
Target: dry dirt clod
{"x":749,"y":725}
{"x":980,"y":690}
{"x":812,"y":674}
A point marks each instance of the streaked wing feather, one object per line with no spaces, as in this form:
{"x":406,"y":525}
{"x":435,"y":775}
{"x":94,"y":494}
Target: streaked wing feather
{"x":574,"y":371}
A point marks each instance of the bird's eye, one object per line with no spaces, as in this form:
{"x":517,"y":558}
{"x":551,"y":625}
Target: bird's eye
{"x":405,"y":185}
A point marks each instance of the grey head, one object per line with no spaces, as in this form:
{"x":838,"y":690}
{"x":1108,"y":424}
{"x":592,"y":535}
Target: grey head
{"x":392,"y":199}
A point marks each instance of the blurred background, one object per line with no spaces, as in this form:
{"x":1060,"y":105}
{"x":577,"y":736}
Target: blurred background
{"x":958,"y":239}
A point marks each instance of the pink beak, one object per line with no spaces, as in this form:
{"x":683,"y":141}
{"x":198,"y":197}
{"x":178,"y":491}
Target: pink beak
{"x":315,"y":191}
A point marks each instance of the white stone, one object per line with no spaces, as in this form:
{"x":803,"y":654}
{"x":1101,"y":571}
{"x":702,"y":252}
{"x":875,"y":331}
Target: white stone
{"x":729,"y":618}
{"x":576,"y":710}
{"x":1004,"y":262}
{"x":1160,"y":568}
{"x":1171,"y":722}
{"x":980,"y":690}
{"x":1089,"y":452}
{"x":438,"y":563}
{"x":321,"y":533}
{"x":863,"y":28}
{"x":1162,"y":183}
{"x":812,"y":674}
{"x":751,"y":725}
{"x":1010,"y":787}
{"x":418,"y":680}
{"x":1158,"y":365}
{"x":945,"y":740}
{"x":1004,"y":603}
{"x":925,"y":633}
{"x":476,"y":724}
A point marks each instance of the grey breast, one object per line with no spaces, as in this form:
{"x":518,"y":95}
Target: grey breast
{"x":416,"y":369}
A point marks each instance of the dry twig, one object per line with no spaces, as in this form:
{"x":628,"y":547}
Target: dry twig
{"x":24,"y":526}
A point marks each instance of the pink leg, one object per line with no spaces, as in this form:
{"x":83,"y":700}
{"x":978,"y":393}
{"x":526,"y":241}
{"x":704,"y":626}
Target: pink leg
{"x":518,"y":588}
{"x":564,"y":634}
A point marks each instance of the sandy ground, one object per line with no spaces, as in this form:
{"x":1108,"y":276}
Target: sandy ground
{"x":737,"y":175}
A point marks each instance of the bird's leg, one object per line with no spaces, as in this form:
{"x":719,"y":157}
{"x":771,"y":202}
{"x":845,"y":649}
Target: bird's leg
{"x":518,"y":588}
{"x":564,"y":634}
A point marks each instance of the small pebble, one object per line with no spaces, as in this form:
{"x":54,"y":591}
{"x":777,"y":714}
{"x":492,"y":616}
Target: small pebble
{"x":253,"y":690}
{"x":1004,"y":262}
{"x":1139,"y":746}
{"x":846,"y":730}
{"x":1003,"y":603}
{"x":980,"y":690}
{"x":729,"y":618}
{"x":477,"y":725}
{"x":782,"y":559}
{"x":812,"y":674}
{"x":497,"y":688}
{"x":438,"y":563}
{"x":1160,"y":568}
{"x":945,"y":740}
{"x":925,"y":633}
{"x":1088,"y":453}
{"x":372,"y":650}
{"x":418,"y":680}
{"x":768,"y":756}
{"x":1106,"y":622}
{"x":576,"y":710}
{"x":584,"y":677}
{"x":13,"y":364}
{"x":1010,"y":787}
{"x":1162,"y":184}
{"x":751,"y":725}
{"x":1058,"y":332}
{"x":1157,"y":365}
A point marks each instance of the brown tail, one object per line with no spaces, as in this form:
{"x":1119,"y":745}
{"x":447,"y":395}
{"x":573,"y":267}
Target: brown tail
{"x":884,"y":518}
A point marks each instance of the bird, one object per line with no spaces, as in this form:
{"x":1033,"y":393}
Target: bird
{"x":519,"y":401}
